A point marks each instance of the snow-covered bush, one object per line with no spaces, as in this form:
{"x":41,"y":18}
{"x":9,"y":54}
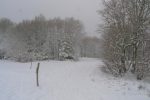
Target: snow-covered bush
{"x":142,"y":70}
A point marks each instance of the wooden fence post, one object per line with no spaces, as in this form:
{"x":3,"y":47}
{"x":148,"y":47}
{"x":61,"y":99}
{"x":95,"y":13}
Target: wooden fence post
{"x":37,"y":74}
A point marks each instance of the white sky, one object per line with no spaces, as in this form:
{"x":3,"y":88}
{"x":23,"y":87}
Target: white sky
{"x":85,"y":10}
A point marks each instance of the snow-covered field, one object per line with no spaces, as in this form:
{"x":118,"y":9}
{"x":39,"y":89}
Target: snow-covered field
{"x":67,"y":80}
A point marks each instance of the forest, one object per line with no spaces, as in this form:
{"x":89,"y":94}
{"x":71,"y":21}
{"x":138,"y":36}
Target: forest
{"x":46,"y":39}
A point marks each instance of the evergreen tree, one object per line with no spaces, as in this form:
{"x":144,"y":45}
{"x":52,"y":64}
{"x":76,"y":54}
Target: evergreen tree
{"x":66,"y":49}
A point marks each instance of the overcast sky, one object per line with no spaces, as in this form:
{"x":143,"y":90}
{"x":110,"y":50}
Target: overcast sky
{"x":85,"y":10}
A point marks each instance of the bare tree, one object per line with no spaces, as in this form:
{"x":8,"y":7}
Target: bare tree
{"x":125,"y":26}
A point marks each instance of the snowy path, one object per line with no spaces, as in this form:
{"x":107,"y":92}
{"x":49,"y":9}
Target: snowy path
{"x":67,"y":80}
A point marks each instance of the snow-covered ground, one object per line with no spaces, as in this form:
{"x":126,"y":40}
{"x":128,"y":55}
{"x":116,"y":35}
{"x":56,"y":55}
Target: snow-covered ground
{"x":68,"y":80}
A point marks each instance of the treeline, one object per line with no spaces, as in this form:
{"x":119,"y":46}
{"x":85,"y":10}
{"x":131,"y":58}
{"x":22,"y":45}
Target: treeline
{"x":90,"y":47}
{"x":126,"y":38}
{"x":41,"y":39}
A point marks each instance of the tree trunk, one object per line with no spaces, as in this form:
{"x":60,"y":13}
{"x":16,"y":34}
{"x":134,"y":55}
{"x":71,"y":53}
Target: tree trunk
{"x":134,"y":59}
{"x":123,"y":58}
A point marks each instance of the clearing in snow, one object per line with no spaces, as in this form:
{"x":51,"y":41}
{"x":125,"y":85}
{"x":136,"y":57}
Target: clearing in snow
{"x":67,"y":80}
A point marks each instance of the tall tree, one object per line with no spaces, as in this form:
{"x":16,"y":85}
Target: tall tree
{"x":125,"y":25}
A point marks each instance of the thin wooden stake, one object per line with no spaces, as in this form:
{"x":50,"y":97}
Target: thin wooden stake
{"x":31,"y":65}
{"x":37,"y":74}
